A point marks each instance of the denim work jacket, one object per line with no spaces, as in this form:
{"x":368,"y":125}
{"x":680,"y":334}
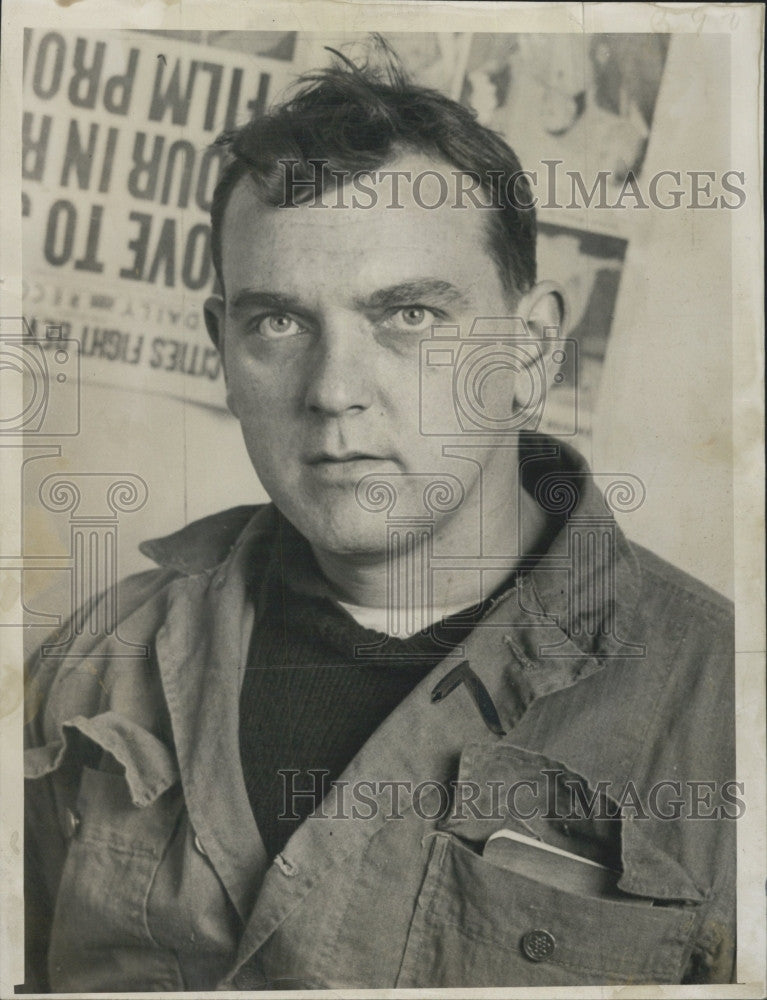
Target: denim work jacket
{"x":612,"y":674}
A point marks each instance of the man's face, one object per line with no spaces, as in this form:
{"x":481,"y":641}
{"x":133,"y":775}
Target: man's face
{"x":325,"y":310}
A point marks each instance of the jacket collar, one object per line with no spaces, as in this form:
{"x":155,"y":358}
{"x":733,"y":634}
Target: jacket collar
{"x":206,"y":543}
{"x":563,"y":616}
{"x":587,"y":581}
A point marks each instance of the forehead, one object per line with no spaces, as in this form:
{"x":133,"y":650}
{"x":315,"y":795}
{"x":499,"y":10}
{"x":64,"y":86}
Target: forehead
{"x":367,"y":233}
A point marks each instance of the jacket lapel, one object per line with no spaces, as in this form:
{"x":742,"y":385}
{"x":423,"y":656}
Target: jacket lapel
{"x":202,"y":650}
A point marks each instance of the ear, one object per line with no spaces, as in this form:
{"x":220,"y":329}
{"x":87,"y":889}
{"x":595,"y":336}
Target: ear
{"x":214,"y":312}
{"x":544,"y":310}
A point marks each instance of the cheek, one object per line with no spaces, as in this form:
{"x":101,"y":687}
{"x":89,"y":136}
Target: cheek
{"x":255,"y":390}
{"x":265,"y":420}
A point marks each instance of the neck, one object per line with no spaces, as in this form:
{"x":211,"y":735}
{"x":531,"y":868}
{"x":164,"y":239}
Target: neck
{"x":363,"y":579}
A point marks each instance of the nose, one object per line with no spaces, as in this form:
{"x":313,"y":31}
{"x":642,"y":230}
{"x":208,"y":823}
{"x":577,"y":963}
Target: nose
{"x":339,"y":369}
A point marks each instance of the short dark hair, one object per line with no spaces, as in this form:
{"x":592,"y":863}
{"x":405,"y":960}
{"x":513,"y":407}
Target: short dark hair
{"x":354,"y":118}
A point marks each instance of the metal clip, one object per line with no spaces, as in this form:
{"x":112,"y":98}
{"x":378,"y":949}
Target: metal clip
{"x":463,"y":674}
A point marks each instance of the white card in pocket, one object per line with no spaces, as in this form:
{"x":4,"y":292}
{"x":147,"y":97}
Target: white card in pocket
{"x":552,"y":866}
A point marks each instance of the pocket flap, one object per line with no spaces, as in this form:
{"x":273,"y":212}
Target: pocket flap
{"x":149,"y":766}
{"x":501,"y":785}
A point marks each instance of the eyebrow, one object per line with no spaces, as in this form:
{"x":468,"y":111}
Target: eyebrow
{"x":406,"y":293}
{"x":250,"y":298}
{"x":412,"y":292}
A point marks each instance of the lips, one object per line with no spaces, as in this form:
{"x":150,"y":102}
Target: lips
{"x":346,"y":467}
{"x":347,"y":456}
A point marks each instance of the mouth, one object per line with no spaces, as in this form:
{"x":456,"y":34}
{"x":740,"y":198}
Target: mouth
{"x":344,"y":466}
{"x":347,"y":457}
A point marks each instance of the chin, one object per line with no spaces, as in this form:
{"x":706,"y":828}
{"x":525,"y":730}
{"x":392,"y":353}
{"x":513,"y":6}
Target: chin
{"x":344,"y":533}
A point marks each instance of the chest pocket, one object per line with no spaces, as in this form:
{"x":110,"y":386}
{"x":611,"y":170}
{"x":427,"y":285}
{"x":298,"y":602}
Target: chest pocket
{"x":478,"y":924}
{"x":100,"y":934}
{"x":496,"y":913}
{"x":119,"y":801}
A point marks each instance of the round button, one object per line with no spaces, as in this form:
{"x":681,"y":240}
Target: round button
{"x":198,"y":846}
{"x":71,"y":822}
{"x":538,"y":945}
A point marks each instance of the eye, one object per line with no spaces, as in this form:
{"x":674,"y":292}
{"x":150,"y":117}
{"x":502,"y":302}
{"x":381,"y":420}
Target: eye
{"x":411,"y":318}
{"x":277,"y":326}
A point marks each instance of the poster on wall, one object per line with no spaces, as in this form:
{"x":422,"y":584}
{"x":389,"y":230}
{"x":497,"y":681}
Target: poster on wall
{"x":584,"y":100}
{"x":588,"y":266}
{"x":118,"y":172}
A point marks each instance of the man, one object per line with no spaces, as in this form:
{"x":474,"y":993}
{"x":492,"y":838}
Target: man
{"x":428,"y":718}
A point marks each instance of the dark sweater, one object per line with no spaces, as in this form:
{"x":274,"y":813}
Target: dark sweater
{"x":309,"y":701}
